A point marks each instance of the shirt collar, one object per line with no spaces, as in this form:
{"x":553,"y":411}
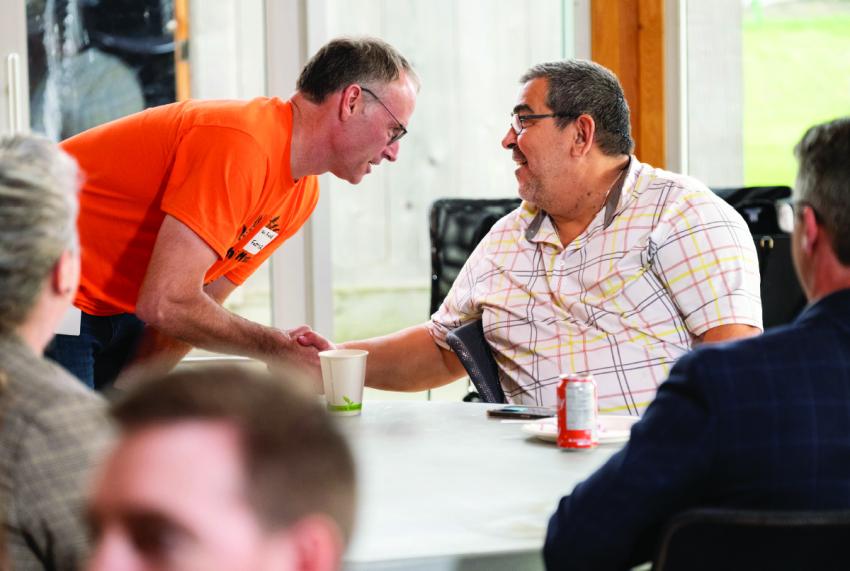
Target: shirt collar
{"x":611,"y":207}
{"x":612,"y":202}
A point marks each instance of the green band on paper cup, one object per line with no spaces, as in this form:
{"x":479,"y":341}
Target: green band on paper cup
{"x":345,"y":407}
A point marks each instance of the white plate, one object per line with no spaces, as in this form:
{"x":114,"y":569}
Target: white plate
{"x":612,"y":428}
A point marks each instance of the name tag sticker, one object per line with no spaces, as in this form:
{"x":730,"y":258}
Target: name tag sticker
{"x":260,"y":240}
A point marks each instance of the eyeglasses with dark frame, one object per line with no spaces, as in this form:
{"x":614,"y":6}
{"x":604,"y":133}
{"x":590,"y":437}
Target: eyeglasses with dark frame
{"x":798,"y":206}
{"x":400,"y":131}
{"x":518,"y":121}
{"x":789,"y":211}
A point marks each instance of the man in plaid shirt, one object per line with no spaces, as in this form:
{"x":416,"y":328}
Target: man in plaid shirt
{"x":609,"y":267}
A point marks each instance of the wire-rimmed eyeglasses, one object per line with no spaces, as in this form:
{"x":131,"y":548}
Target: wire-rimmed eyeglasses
{"x":399,"y":131}
{"x":788,"y":211}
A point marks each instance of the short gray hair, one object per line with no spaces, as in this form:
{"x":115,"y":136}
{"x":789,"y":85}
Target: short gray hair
{"x":581,"y":87}
{"x":344,"y":61}
{"x":823,"y":180}
{"x":38,"y":220}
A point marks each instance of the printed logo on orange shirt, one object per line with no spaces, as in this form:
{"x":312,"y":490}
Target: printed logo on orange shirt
{"x":257,"y":242}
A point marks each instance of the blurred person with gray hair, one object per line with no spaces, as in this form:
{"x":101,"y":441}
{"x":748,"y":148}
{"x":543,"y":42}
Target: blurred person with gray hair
{"x":223,"y":468}
{"x":53,"y":429}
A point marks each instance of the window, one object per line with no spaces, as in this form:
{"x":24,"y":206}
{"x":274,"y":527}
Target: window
{"x":796,"y":73}
{"x":759,"y":73}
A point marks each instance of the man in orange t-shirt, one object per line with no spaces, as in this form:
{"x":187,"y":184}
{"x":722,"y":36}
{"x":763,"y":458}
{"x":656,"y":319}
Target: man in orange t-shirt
{"x":183,"y":202}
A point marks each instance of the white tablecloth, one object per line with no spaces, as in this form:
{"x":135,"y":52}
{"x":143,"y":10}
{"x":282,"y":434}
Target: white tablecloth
{"x":443,"y":487}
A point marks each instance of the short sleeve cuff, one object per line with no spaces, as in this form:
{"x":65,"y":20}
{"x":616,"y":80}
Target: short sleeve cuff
{"x":737,"y":308}
{"x":438,"y":333}
{"x":197,"y":227}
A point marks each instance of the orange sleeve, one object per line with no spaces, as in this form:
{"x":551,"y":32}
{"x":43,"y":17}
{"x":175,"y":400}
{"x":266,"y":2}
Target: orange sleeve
{"x":218,"y":173}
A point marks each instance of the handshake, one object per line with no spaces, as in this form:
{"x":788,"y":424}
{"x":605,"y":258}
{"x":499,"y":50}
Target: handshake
{"x":300,"y":348}
{"x":304,"y":336}
{"x":341,"y":372}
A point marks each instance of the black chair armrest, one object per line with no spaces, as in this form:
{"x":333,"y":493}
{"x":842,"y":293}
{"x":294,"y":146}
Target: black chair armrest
{"x":469,"y":344}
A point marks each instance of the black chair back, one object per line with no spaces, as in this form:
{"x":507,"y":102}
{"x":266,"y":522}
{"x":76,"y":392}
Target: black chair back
{"x":782,"y":299}
{"x":135,"y":31}
{"x":456,"y":226}
{"x":713,"y":539}
{"x":470,"y":346}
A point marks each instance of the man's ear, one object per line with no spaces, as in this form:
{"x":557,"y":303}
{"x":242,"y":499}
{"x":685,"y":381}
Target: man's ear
{"x":316,"y":543}
{"x":66,"y":274}
{"x":811,"y":231}
{"x":584,"y":134}
{"x":350,"y":99}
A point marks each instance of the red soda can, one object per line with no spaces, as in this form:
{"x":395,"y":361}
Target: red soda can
{"x":577,"y":412}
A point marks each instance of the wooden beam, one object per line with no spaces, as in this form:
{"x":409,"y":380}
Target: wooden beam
{"x":627,"y":37}
{"x":652,"y":134}
{"x":182,"y":74}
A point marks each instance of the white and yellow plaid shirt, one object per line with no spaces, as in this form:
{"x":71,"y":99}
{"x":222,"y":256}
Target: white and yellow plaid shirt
{"x":660,"y":265}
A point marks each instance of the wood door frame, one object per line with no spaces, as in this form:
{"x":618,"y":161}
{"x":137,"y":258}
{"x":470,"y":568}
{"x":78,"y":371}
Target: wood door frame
{"x":182,"y":69}
{"x":627,"y":37}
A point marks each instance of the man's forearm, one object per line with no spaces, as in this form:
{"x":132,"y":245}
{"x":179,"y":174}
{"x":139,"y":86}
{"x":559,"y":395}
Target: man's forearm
{"x":728,"y":332}
{"x":202,"y":322}
{"x":156,"y":353}
{"x":407,"y":361}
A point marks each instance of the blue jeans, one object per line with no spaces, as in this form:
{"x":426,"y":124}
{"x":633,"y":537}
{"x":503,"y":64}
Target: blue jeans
{"x":100,"y":351}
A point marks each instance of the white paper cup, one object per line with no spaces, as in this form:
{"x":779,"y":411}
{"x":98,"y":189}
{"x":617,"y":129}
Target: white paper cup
{"x":343,"y":375}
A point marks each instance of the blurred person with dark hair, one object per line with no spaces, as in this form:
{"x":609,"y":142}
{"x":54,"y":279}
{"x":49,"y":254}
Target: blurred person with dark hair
{"x":53,"y":428}
{"x":223,"y":468}
{"x":761,"y":423}
{"x":183,"y":202}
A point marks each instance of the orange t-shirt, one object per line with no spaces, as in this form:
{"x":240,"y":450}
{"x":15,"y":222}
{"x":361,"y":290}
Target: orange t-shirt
{"x":222,"y":168}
